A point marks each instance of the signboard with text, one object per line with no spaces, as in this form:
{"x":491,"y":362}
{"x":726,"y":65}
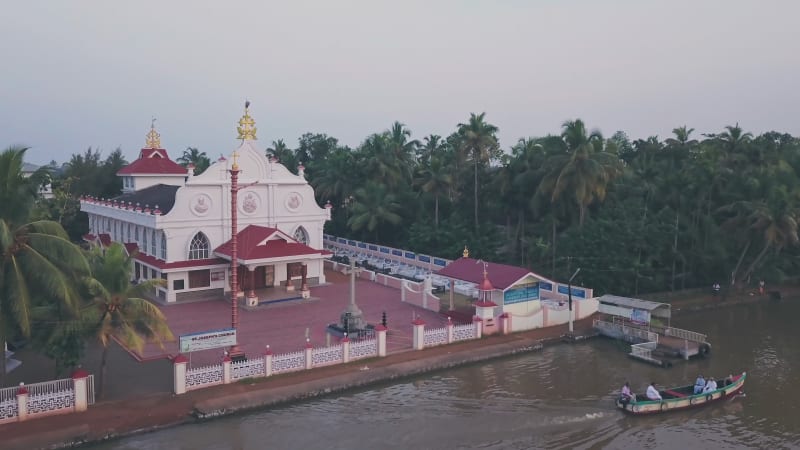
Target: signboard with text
{"x":207,"y":340}
{"x":524,"y":293}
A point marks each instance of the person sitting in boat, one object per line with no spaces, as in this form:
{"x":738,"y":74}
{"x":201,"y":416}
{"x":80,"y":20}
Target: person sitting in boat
{"x":626,"y":396}
{"x":711,"y":386}
{"x":652,"y":392}
{"x":699,"y":384}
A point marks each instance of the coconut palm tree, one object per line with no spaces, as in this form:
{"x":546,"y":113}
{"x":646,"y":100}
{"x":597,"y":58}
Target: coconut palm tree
{"x":434,"y":179}
{"x":117,"y":308}
{"x":194,"y":156}
{"x":374,"y":205}
{"x":283,"y":154}
{"x":38,"y":263}
{"x":478,"y":139}
{"x":585,"y":171}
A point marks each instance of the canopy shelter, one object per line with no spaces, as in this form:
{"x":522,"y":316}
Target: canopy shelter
{"x":634,"y":309}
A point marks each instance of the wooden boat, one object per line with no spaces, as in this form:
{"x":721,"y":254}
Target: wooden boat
{"x":683,"y":397}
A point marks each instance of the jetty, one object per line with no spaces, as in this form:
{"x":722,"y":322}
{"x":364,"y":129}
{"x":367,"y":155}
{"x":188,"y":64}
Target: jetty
{"x":646,"y":326}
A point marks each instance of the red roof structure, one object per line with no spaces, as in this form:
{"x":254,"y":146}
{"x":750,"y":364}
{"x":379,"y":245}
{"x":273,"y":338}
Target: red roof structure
{"x":258,"y":243}
{"x":501,"y":276}
{"x":153,"y":161}
{"x":160,"y":264}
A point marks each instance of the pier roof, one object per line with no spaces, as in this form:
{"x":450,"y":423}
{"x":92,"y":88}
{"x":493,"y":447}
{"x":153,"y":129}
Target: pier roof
{"x":655,"y":308}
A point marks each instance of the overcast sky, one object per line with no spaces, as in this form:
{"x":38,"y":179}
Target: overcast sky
{"x":79,"y":74}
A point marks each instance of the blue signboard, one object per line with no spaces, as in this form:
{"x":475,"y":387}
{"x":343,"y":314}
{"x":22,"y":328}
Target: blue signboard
{"x":439,"y":262}
{"x":362,"y":245}
{"x":373,"y":247}
{"x":397,"y":252}
{"x":640,"y":316}
{"x":410,"y":255}
{"x":342,"y":240}
{"x":576,"y":292}
{"x":353,"y":243}
{"x":545,"y":286}
{"x":424,"y":258}
{"x":384,"y":250}
{"x":522,"y":293}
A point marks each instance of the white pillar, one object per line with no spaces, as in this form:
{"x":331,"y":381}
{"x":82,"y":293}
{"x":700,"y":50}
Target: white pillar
{"x":478,"y":322}
{"x":226,"y":369}
{"x":80,"y":387}
{"x":449,"y":330}
{"x":419,"y":334}
{"x":179,"y":373}
{"x":309,"y":361}
{"x":22,"y":402}
{"x":381,"y":330}
{"x":403,"y":291}
{"x":267,"y":362}
{"x":346,"y":349}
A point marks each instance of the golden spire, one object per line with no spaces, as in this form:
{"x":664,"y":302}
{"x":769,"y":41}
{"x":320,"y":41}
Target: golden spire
{"x":246,"y":128}
{"x":466,"y":252}
{"x":153,"y":138}
{"x":235,"y":165}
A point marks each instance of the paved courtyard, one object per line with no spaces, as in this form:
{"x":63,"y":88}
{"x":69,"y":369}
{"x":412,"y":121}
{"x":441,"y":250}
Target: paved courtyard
{"x":283,"y":326}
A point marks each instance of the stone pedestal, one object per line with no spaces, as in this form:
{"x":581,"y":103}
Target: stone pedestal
{"x":179,"y":372}
{"x":419,"y":334}
{"x":485,"y":311}
{"x":305,"y":293}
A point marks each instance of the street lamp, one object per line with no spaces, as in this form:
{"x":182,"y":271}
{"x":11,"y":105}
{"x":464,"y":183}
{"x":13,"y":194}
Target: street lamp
{"x":569,"y":296}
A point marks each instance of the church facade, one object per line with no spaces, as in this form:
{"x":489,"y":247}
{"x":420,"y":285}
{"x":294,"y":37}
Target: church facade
{"x":178,"y":226}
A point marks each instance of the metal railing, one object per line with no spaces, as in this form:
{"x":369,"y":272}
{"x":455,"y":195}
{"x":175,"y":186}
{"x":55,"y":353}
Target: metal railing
{"x":639,"y":333}
{"x":644,"y":350}
{"x":685,"y":334}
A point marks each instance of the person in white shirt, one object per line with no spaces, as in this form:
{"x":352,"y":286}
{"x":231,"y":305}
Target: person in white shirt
{"x":652,"y":392}
{"x":711,"y":385}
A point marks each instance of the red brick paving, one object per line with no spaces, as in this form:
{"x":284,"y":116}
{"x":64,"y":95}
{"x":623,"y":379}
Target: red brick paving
{"x":283,"y":326}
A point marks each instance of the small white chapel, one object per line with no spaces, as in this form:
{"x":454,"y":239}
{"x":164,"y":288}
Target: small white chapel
{"x":178,"y":226}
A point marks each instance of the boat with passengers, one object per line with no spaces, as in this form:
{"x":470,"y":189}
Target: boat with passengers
{"x":683,"y":397}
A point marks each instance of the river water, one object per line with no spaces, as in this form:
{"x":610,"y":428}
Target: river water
{"x":561,"y":397}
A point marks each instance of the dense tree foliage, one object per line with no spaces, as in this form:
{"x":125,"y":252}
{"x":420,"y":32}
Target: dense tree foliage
{"x":637,"y":216}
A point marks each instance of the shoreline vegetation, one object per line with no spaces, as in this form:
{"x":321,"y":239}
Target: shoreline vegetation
{"x":118,"y":419}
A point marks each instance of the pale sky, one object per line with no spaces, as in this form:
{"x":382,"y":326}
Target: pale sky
{"x":93,"y":73}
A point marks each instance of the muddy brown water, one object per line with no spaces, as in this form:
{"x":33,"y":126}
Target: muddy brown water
{"x":561,"y":397}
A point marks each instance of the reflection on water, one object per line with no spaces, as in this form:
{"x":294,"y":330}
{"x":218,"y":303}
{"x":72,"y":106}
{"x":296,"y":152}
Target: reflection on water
{"x":561,"y":397}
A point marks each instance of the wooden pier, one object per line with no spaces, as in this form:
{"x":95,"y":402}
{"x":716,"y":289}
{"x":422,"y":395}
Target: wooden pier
{"x":656,"y":345}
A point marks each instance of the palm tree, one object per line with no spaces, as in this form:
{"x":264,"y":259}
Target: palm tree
{"x":374,"y":205}
{"x":478,"y":140}
{"x":117,"y":309}
{"x":38,"y":263}
{"x":586,"y":170}
{"x":283,"y":154}
{"x":435,"y":179}
{"x":193,"y":156}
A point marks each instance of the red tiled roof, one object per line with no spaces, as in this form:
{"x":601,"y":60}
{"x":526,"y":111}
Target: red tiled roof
{"x":501,"y":276}
{"x":131,"y":247}
{"x":105,"y":239}
{"x":153,"y":162}
{"x":257,"y":242}
{"x":163,"y":265}
{"x":89,"y":237}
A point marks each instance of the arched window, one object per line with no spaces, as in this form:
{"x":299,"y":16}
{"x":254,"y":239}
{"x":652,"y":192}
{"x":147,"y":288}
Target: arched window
{"x":153,"y":242}
{"x":301,"y":236}
{"x":136,"y":234}
{"x":129,"y":236}
{"x":163,"y":246}
{"x":144,"y":241}
{"x":198,"y":249}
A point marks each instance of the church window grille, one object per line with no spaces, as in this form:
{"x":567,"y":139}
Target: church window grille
{"x":153,"y":242}
{"x":301,"y":235}
{"x":163,"y":246}
{"x":198,"y":249}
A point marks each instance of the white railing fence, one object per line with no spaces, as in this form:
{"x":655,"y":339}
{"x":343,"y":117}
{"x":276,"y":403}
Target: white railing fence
{"x":289,"y":362}
{"x":325,"y":356}
{"x":685,"y":334}
{"x":33,"y":400}
{"x":435,"y":336}
{"x":463,"y":332}
{"x":204,"y":376}
{"x":366,"y":348}
{"x":250,"y":368}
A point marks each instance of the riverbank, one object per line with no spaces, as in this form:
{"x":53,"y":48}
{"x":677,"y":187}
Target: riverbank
{"x":109,"y":420}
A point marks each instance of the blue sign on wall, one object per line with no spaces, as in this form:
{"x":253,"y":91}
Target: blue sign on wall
{"x":397,"y":252}
{"x":521,"y":294}
{"x":342,"y":240}
{"x":384,"y":250}
{"x":353,"y":243}
{"x":425,"y":258}
{"x":545,"y":286}
{"x":362,"y":245}
{"x":439,"y":262}
{"x":410,"y":255}
{"x":373,"y":247}
{"x":576,"y":292}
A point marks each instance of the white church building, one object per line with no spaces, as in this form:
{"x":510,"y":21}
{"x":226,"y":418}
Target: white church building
{"x":177,"y":225}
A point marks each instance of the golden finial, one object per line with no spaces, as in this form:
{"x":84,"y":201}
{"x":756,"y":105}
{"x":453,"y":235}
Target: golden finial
{"x":235,"y":165}
{"x":246,"y":128}
{"x":153,"y":138}
{"x":466,"y":252}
